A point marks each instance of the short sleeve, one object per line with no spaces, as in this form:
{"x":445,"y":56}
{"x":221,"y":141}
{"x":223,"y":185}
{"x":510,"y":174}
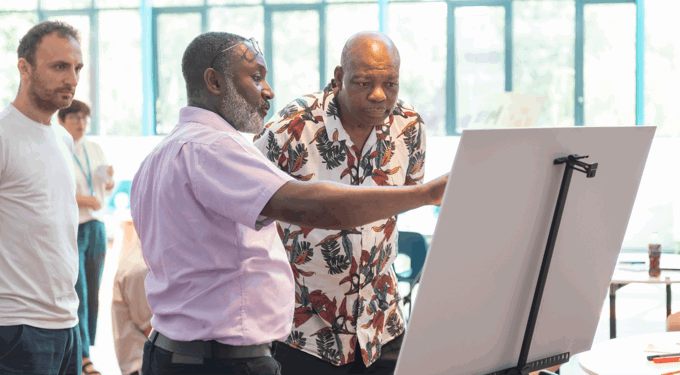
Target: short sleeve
{"x":416,"y":163}
{"x":234,"y":179}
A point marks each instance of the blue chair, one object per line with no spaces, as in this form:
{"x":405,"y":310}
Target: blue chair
{"x":414,"y":245}
{"x":121,"y":187}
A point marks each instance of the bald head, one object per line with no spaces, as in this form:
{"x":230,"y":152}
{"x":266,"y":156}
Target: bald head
{"x":366,"y":44}
{"x":367,"y":81}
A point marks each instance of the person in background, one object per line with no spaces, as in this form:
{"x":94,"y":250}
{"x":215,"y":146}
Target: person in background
{"x":130,"y":312}
{"x":204,"y":202}
{"x":94,"y":181}
{"x":38,"y":210}
{"x":348,"y":319}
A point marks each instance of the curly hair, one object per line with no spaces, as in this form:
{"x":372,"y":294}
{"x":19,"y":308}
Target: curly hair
{"x":30,"y":42}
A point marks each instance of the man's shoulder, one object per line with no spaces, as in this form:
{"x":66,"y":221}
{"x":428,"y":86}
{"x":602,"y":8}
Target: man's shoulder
{"x":404,"y":114}
{"x":7,"y":119}
{"x":310,"y":107}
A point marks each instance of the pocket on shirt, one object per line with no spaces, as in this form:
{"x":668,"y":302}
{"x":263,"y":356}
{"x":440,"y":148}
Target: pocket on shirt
{"x":9,"y":338}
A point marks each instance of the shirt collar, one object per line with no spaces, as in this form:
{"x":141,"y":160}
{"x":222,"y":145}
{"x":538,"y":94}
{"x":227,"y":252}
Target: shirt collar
{"x":205,"y":117}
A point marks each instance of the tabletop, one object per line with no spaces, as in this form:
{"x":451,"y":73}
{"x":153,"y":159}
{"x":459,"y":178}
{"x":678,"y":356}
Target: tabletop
{"x":627,"y":355}
{"x":629,"y":270}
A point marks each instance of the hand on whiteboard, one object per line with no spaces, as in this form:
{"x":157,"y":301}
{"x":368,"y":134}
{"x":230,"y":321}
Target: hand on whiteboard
{"x":436,"y":189}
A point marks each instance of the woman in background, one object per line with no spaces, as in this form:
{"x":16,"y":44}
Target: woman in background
{"x":94,"y":180}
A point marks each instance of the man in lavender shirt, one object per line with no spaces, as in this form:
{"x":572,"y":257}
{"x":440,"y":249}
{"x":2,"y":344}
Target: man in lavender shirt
{"x":204,"y":203}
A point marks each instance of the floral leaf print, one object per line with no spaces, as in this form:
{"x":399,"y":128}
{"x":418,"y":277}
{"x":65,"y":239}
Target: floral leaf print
{"x":357,"y":310}
{"x":303,"y":178}
{"x":416,"y":162}
{"x":302,"y":253}
{"x":261,"y":133}
{"x":335,"y":262}
{"x":386,"y":150}
{"x":298,"y":157}
{"x":285,"y":236}
{"x":367,"y":165}
{"x":380,"y":178}
{"x":394,"y":324}
{"x":296,"y":340}
{"x":302,"y":314}
{"x":324,"y":307}
{"x":280,"y":230}
{"x":419,"y":138}
{"x":379,"y":321}
{"x":385,"y":254}
{"x":410,"y":134}
{"x":302,"y":294}
{"x":332,"y":153}
{"x":383,"y":287}
{"x":325,"y":343}
{"x":332,"y":110}
{"x":273,"y":149}
{"x":288,"y":111}
{"x":296,"y":127}
{"x":399,"y":109}
{"x":352,"y":278}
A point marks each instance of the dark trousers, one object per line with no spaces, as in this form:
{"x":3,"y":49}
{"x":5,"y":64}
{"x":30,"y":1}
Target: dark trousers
{"x":30,"y":350}
{"x":297,"y":362}
{"x":158,"y":361}
{"x":92,"y":251}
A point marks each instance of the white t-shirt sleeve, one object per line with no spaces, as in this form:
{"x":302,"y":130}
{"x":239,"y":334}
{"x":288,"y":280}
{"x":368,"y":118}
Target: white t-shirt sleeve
{"x":234,"y":179}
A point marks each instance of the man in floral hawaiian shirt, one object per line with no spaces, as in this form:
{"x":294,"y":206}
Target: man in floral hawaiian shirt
{"x":355,"y":132}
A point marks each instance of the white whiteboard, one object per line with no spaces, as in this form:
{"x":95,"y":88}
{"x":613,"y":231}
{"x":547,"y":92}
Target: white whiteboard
{"x":480,"y":275}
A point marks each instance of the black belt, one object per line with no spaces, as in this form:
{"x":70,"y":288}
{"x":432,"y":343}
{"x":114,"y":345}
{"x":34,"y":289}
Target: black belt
{"x":209,"y":349}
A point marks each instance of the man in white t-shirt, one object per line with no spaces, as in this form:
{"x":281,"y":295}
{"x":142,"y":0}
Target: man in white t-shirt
{"x":38,"y":210}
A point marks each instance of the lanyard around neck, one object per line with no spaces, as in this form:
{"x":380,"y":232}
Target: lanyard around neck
{"x":87,"y":175}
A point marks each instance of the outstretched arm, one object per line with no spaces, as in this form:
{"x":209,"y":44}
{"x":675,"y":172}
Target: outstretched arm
{"x":329,"y":205}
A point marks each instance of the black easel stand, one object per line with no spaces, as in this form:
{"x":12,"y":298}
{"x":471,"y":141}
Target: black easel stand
{"x":572,"y":163}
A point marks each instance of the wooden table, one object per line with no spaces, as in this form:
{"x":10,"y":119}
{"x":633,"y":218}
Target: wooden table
{"x":626,"y":273}
{"x":626,"y":356}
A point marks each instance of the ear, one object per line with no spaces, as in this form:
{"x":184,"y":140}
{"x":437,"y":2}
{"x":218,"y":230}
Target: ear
{"x":338,"y":74}
{"x":212,"y":82}
{"x":24,"y":67}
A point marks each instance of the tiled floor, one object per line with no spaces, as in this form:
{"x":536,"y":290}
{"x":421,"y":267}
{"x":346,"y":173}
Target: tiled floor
{"x":640,"y":308}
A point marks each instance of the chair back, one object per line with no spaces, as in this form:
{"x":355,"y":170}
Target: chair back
{"x":414,"y":245}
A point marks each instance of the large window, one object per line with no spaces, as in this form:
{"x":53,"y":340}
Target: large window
{"x":544,"y":57}
{"x":609,"y":68}
{"x":419,"y":31}
{"x":580,"y":55}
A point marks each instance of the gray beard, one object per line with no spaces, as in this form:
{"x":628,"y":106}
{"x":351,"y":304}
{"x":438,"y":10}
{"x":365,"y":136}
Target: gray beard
{"x":241,"y":115}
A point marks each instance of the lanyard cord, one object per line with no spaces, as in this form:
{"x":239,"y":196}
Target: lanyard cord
{"x":87,"y":175}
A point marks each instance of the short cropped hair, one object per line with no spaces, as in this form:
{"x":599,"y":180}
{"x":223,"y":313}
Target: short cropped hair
{"x":199,"y":55}
{"x":30,"y":42}
{"x":76,"y":107}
